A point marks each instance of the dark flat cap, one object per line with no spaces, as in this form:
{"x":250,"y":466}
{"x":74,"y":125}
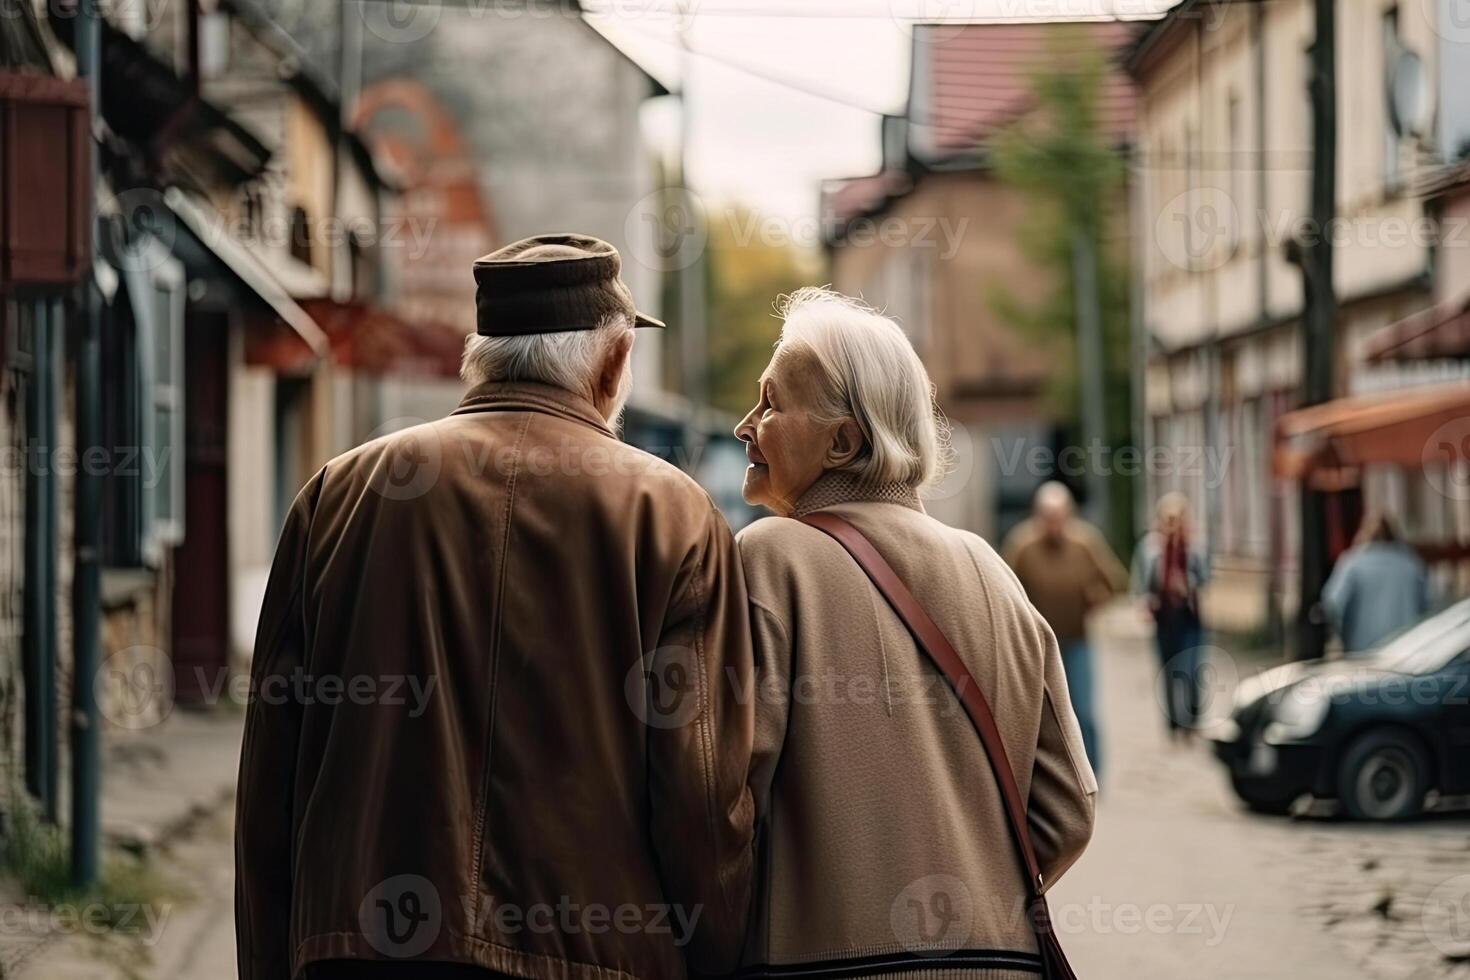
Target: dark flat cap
{"x":551,"y":283}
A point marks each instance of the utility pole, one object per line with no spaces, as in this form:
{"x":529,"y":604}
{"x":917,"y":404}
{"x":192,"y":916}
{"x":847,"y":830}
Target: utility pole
{"x":86,"y":724}
{"x":692,"y":346}
{"x":1319,"y":319}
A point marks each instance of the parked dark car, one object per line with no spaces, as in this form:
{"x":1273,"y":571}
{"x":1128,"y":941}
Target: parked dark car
{"x":1376,"y":732}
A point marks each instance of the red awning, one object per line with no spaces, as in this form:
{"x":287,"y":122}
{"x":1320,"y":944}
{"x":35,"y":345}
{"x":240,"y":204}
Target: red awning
{"x":365,"y":338}
{"x":1440,"y":331}
{"x":1327,"y":443}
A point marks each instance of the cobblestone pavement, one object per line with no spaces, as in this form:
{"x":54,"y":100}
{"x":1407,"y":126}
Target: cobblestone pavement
{"x":1180,"y":880}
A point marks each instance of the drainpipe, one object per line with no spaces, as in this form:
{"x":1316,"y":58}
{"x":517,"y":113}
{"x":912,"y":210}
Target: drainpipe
{"x":38,"y":635}
{"x":1275,"y":626}
{"x":86,"y":761}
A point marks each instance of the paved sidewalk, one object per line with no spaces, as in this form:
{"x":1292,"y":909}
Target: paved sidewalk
{"x":167,"y":792}
{"x":1181,"y":881}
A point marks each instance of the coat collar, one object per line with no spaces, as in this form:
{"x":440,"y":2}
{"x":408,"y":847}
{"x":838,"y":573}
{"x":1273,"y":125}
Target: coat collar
{"x":835,"y":488}
{"x":517,"y":396}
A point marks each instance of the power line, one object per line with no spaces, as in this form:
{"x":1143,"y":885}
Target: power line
{"x":795,"y":85}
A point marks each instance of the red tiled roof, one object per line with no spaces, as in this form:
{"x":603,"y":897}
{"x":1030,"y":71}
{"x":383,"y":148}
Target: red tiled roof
{"x":979,"y":77}
{"x":846,"y":199}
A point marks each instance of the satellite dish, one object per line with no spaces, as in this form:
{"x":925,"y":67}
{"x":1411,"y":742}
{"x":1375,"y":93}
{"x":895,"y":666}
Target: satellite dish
{"x":1410,"y":99}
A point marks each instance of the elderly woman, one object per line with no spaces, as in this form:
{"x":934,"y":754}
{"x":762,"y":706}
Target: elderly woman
{"x":883,"y":843}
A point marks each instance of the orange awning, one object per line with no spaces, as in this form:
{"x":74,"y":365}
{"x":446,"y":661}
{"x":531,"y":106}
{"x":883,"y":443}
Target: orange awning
{"x":365,"y":338}
{"x":1327,"y":443}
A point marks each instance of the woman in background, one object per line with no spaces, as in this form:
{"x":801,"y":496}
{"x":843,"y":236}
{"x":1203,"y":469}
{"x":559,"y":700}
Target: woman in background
{"x":1171,"y":573}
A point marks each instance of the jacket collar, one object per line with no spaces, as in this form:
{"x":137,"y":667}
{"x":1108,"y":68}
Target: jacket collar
{"x":520,"y":396}
{"x":835,"y":488}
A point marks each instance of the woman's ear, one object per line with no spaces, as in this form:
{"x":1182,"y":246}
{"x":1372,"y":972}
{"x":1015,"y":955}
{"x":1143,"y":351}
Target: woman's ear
{"x":846,"y":444}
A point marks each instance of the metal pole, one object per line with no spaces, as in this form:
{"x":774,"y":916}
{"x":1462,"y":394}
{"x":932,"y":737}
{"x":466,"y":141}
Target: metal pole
{"x":1138,"y":333}
{"x":1319,"y":319}
{"x":39,"y":629}
{"x":1090,"y":373}
{"x":692,"y":346}
{"x":86,"y":761}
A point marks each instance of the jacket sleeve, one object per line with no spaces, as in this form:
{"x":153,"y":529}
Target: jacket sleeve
{"x":1063,"y":788}
{"x":700,"y":721}
{"x":1112,"y":577}
{"x":773,"y":700}
{"x":264,"y":808}
{"x":1336,"y":593}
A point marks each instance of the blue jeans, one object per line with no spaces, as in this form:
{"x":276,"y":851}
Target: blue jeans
{"x":1077,"y":664}
{"x":1179,"y":638}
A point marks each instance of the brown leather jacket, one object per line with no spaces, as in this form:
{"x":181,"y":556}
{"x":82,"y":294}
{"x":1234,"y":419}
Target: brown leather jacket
{"x":500,"y":709}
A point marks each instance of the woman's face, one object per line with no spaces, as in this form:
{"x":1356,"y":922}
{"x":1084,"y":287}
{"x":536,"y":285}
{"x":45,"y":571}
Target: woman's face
{"x":786,"y":448}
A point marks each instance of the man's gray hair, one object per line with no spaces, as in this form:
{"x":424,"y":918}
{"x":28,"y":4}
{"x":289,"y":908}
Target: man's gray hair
{"x":874,"y":376}
{"x":569,"y":360}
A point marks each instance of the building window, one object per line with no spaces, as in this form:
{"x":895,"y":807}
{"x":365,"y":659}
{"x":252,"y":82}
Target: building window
{"x":164,"y":410}
{"x":214,"y":43}
{"x":1234,"y":149}
{"x":143,"y":400}
{"x":300,"y":236}
{"x":1392,"y":170}
{"x":362,"y":263}
{"x":252,"y":213}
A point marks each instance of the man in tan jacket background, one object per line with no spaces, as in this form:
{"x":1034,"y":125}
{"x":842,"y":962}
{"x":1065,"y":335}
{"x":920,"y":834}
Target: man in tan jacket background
{"x":1067,"y":570}
{"x":563,"y":795}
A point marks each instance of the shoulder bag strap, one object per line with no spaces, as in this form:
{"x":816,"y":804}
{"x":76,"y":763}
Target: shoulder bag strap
{"x":932,"y":641}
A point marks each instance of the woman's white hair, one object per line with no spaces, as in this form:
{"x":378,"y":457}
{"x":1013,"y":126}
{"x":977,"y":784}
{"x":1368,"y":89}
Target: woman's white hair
{"x":873,"y":375}
{"x":570,"y":360}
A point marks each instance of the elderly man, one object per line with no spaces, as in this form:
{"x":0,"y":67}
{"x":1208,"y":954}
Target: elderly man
{"x":500,"y":722}
{"x":1067,"y":570}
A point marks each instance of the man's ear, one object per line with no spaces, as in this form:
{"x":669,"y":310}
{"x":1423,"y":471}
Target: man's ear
{"x":846,"y":444}
{"x":614,"y":365}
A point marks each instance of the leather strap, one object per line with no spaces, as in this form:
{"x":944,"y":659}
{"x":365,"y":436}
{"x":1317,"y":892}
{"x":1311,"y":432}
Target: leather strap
{"x":937,"y":647}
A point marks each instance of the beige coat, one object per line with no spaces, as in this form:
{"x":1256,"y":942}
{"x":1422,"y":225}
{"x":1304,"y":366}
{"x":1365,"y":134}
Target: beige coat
{"x":880,"y":830}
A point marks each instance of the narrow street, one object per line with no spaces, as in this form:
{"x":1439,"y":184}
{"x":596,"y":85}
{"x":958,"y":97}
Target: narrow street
{"x":1181,"y":880}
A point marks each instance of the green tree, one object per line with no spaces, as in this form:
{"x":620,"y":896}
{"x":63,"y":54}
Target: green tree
{"x":747,"y":272}
{"x":1074,"y":181}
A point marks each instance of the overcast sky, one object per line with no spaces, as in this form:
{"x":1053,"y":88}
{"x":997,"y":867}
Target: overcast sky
{"x":784,"y":93}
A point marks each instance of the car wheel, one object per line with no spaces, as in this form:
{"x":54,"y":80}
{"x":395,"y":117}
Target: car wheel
{"x":1383,"y":776}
